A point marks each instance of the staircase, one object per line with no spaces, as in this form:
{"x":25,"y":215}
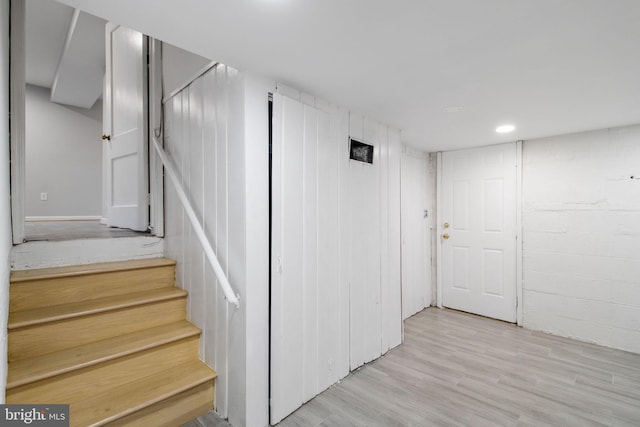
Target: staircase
{"x":109,"y":339}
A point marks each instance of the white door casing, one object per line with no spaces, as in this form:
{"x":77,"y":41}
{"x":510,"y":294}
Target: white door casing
{"x":17,"y":119}
{"x":479,"y":205}
{"x":127,"y":188}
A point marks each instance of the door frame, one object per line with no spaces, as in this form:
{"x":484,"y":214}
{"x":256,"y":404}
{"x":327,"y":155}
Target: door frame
{"x":155,"y":122}
{"x":17,"y":85}
{"x":439,"y":230}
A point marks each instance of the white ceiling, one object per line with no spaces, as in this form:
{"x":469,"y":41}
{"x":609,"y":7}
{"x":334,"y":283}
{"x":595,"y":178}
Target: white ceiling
{"x":547,"y":66}
{"x":64,"y":52}
{"x":46,"y":27}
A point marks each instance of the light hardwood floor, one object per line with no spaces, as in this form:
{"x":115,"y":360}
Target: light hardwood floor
{"x":457,"y":369}
{"x":210,"y":419}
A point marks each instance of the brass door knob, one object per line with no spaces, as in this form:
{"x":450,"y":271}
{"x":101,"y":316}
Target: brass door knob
{"x":445,"y":225}
{"x":445,"y":236}
{"x":106,"y":137}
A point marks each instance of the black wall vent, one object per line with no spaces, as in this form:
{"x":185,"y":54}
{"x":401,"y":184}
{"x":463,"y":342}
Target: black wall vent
{"x":360,"y":151}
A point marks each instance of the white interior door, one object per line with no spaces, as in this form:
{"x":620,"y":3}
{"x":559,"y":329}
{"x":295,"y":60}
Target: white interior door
{"x":287,"y":258}
{"x":479,"y":206}
{"x":127,"y":188}
{"x":305,"y":295}
{"x":416,"y":247}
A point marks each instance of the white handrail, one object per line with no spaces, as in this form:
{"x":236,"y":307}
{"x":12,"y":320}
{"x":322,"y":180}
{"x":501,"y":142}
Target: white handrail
{"x":208,"y":250}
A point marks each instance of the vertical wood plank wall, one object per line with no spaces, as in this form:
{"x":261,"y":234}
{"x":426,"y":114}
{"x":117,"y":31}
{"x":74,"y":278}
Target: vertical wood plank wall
{"x":336,"y":232}
{"x":374,"y":246}
{"x":416,"y":238}
{"x":348,"y":213}
{"x":197,"y":138}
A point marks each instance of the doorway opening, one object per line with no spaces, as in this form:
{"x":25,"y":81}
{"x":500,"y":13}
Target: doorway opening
{"x":76,"y":181}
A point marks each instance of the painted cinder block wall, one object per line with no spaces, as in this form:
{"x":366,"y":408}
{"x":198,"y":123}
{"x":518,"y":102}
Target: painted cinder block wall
{"x":581,"y":236}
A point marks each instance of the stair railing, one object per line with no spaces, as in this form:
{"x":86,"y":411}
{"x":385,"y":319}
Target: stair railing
{"x":208,"y":250}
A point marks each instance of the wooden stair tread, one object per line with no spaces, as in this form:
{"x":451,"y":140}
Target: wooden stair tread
{"x":36,"y":316}
{"x":111,"y":405}
{"x":18,"y":276}
{"x":111,"y":339}
{"x":37,"y":368}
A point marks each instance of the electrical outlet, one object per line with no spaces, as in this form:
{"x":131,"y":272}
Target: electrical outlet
{"x":44,"y":197}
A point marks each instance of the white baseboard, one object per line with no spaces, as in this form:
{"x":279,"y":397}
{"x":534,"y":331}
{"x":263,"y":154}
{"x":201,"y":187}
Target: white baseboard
{"x":63,"y":218}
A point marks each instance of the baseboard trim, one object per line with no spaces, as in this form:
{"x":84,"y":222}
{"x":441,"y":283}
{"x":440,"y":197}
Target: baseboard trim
{"x":63,"y":218}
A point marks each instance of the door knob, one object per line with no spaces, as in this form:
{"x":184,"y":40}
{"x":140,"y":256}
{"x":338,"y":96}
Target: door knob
{"x":445,"y":236}
{"x":445,"y":225}
{"x":106,"y":137}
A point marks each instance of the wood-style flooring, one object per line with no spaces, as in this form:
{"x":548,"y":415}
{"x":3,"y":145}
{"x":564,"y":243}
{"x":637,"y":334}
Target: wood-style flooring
{"x":457,"y":369}
{"x":210,"y":419}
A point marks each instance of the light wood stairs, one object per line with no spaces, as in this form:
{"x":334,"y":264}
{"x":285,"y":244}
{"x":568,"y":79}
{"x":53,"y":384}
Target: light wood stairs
{"x":109,"y":339}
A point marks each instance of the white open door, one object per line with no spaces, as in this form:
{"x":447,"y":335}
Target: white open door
{"x":127,"y":184}
{"x":479,"y":231}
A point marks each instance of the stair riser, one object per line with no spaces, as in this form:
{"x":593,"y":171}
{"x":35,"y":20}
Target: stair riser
{"x":171,"y":412}
{"x":50,"y":337}
{"x":75,"y":385}
{"x":123,"y":401}
{"x":134,"y":361}
{"x":28,"y":371}
{"x":63,"y":290}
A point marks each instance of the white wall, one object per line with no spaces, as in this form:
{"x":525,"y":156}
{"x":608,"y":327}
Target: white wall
{"x":197,"y":141}
{"x":373,"y":230}
{"x":336,"y":235}
{"x":256,"y":300}
{"x":5,"y":207}
{"x":217,"y":135}
{"x":309,"y":307}
{"x":179,"y":67}
{"x":63,"y":157}
{"x":581,"y":226}
{"x":416,"y":195}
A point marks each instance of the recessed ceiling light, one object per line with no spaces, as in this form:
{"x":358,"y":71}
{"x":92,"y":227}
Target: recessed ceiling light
{"x":505,"y":128}
{"x":453,"y":109}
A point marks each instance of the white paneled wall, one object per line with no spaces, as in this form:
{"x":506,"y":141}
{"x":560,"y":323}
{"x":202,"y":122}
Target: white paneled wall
{"x":581,"y":236}
{"x":197,"y":138}
{"x":374,"y":243}
{"x":364,"y":247}
{"x":336,"y":248}
{"x":417,"y":215}
{"x":310,"y":308}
